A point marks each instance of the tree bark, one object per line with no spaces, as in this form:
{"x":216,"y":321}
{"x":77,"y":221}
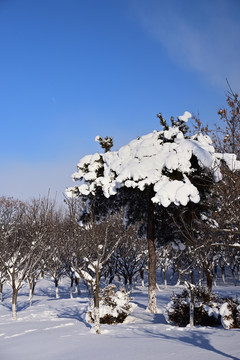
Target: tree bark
{"x":152,"y":303}
{"x":56,"y":288}
{"x":32,"y":283}
{"x":191,"y":307}
{"x":165,"y":277}
{"x":223,"y":273}
{"x":14,"y":303}
{"x":209,"y":277}
{"x":96,"y":304}
{"x":1,"y":292}
{"x":71,"y":287}
{"x":142,"y":277}
{"x":199,"y":270}
{"x":179,"y":277}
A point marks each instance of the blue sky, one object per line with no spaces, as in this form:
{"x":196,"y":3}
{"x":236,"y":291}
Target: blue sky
{"x":74,"y":69}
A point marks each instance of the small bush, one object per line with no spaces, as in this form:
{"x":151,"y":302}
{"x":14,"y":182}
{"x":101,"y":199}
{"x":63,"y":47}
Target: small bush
{"x":114,"y":306}
{"x":209,"y":309}
{"x":230,"y":314}
{"x":206,"y":308}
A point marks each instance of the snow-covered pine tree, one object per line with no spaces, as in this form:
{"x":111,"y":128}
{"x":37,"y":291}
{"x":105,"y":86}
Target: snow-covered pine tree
{"x":149,"y":174}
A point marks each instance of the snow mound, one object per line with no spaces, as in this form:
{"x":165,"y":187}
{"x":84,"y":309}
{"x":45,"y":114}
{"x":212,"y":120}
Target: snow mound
{"x":114,"y":306}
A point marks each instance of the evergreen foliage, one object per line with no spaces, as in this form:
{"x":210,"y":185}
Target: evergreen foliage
{"x":206,"y":308}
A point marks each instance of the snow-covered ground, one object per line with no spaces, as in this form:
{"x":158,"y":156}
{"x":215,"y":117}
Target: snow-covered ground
{"x":55,"y":329}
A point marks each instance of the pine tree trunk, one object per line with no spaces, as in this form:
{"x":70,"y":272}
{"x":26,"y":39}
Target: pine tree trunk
{"x":152,"y":303}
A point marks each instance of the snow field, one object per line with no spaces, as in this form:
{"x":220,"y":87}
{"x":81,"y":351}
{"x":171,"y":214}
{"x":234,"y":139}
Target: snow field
{"x":56,"y":329}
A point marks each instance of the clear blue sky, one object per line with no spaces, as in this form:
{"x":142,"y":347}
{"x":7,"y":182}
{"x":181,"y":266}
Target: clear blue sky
{"x":74,"y":69}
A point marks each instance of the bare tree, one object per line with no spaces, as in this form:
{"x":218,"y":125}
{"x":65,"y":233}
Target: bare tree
{"x":14,"y":248}
{"x":97,"y":243}
{"x":40,"y":217}
{"x":131,"y":257}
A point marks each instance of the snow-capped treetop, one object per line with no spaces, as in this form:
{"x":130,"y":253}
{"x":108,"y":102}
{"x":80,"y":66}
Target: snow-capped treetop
{"x":153,"y":159}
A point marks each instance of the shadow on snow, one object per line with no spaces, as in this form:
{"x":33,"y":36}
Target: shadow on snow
{"x":194,"y":338}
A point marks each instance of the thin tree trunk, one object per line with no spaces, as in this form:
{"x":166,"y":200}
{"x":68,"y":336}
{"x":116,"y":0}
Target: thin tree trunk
{"x":96,"y":305}
{"x":165,"y":277}
{"x":56,"y":288}
{"x":179,"y":277}
{"x":191,"y":307}
{"x":223,"y":273}
{"x":215,"y":275}
{"x":191,"y":289}
{"x":97,"y":320}
{"x":71,"y":287}
{"x":14,"y":303}
{"x":30,"y":297}
{"x":77,"y":286}
{"x":209,"y":277}
{"x":126,"y":282}
{"x":130,"y":280}
{"x":152,"y":303}
{"x":32,"y":284}
{"x":1,"y":291}
{"x":111,"y":277}
{"x":199,"y":270}
{"x":192,"y":277}
{"x":142,"y":277}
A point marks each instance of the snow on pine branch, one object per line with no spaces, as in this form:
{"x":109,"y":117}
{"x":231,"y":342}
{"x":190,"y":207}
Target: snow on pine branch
{"x":148,"y":160}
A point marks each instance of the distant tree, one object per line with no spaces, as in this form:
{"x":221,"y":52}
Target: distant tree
{"x":131,"y":257}
{"x":24,"y":230}
{"x":14,"y":247}
{"x":40,"y":214}
{"x":56,"y":249}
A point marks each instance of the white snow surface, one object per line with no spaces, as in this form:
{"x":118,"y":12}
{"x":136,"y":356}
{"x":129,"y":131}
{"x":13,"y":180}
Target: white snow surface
{"x":144,"y":161}
{"x":55,"y":329}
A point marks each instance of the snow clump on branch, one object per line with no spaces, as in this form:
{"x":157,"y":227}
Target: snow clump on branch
{"x":150,"y":160}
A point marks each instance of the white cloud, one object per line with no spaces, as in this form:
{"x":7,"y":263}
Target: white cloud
{"x":203,"y":36}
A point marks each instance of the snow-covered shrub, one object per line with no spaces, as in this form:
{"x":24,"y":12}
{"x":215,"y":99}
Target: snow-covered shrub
{"x":230,"y":313}
{"x":114,"y":306}
{"x":206,"y":308}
